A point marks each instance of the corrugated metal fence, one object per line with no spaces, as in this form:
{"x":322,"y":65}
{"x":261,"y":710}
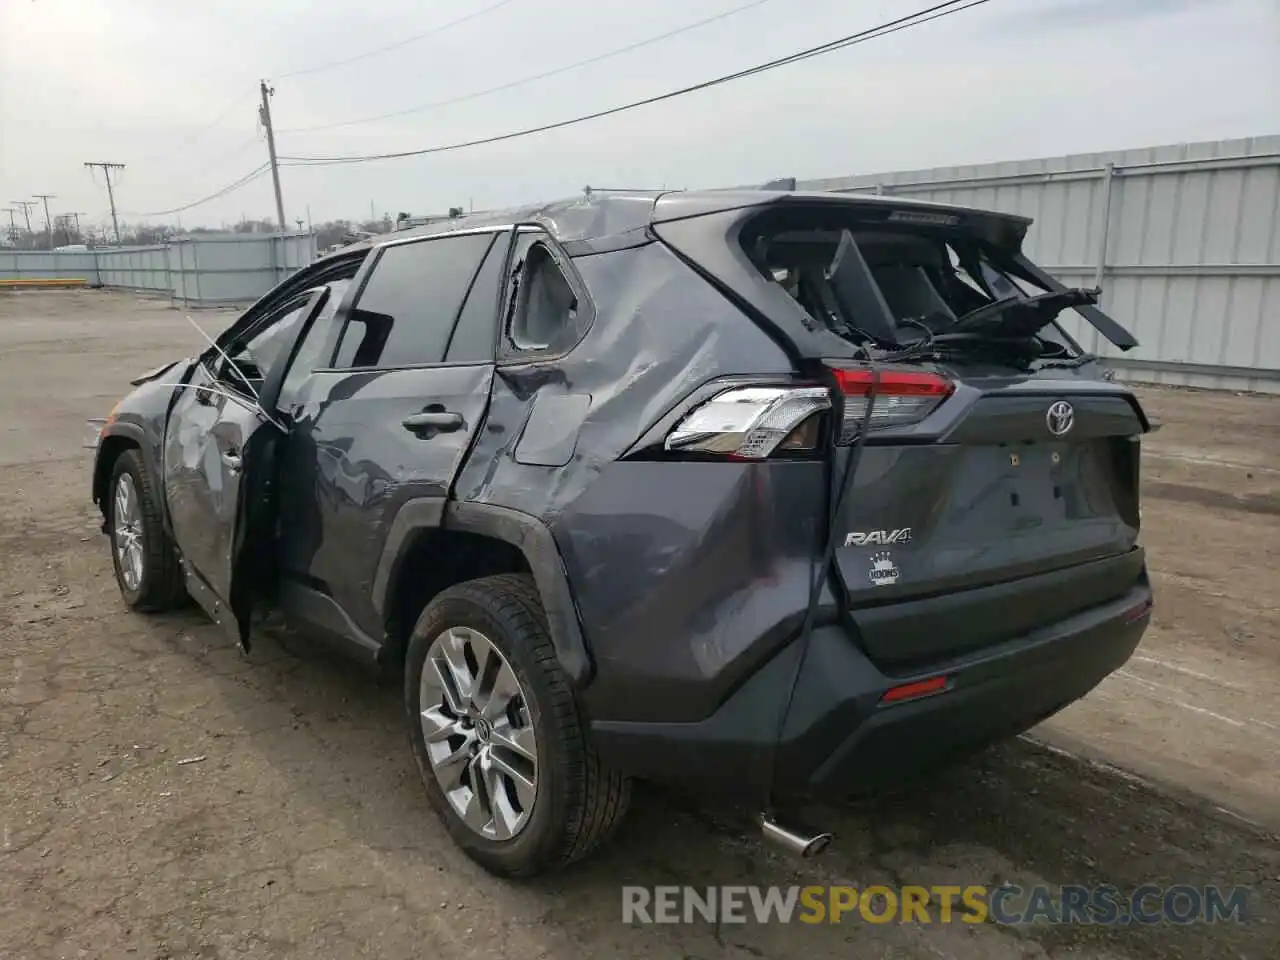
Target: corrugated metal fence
{"x":197,"y":270}
{"x":1184,"y":240}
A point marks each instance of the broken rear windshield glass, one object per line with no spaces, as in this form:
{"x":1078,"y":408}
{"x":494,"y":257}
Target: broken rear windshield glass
{"x":888,"y":286}
{"x":897,"y":281}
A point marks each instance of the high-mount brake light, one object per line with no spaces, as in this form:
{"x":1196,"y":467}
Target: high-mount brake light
{"x":750,"y":423}
{"x":901,"y":396}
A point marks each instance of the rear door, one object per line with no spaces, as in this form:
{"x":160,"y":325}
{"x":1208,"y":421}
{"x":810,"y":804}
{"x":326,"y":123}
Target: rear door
{"x":385,"y":422}
{"x":219,"y":450}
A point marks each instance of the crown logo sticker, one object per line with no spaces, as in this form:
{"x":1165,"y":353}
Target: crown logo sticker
{"x":883,"y":572}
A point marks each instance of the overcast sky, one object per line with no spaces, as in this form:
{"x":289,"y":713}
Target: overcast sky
{"x":141,"y":82}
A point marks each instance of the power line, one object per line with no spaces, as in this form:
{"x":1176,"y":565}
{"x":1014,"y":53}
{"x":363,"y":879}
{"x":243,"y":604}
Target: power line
{"x":422,"y":108}
{"x":222,"y":114}
{"x":893,"y":26}
{"x":199,"y":132}
{"x":393,"y":46}
{"x":243,"y":181}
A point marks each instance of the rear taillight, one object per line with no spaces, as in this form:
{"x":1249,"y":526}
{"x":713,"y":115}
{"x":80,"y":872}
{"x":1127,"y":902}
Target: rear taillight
{"x":901,"y":397}
{"x":752,"y":423}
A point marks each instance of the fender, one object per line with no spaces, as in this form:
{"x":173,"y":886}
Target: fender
{"x":526,"y":533}
{"x":135,"y":431}
{"x":141,"y":416}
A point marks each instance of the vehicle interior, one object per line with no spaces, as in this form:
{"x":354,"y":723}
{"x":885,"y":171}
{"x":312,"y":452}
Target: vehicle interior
{"x":904,"y":290}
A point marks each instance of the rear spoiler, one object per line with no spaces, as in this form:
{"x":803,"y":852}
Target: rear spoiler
{"x":1117,"y":334}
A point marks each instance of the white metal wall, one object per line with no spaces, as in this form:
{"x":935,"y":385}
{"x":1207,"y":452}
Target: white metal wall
{"x":1184,"y":240}
{"x":43,"y":265}
{"x":144,"y":269}
{"x":196,"y":270}
{"x":215,"y":268}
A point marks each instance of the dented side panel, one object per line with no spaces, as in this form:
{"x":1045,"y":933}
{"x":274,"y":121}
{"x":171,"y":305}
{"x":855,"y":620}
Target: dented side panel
{"x":350,"y":465}
{"x":210,"y":454}
{"x":689,"y":576}
{"x":659,"y":333}
{"x":674,"y":567}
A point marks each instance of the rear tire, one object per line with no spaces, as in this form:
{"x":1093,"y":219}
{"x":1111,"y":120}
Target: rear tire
{"x":146,"y":562}
{"x":576,"y":802}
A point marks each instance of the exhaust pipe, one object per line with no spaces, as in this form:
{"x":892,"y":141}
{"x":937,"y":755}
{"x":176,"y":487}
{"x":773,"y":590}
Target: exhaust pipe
{"x":800,"y":844}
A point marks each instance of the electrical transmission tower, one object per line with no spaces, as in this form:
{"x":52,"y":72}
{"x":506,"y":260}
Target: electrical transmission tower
{"x":25,"y":206}
{"x":111,"y":197}
{"x":48,"y":222}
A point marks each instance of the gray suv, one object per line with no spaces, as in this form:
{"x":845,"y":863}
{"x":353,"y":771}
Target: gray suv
{"x":762,"y":492}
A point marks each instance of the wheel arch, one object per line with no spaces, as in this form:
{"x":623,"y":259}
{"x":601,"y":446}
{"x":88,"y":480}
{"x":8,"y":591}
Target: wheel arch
{"x":479,"y":540}
{"x":118,"y":438}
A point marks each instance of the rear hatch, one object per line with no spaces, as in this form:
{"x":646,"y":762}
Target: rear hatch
{"x":988,"y":523}
{"x":997,"y":487}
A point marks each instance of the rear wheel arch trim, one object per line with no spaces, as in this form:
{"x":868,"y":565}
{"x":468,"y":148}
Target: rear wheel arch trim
{"x":420,"y":513}
{"x":534,"y":539}
{"x":526,"y":533}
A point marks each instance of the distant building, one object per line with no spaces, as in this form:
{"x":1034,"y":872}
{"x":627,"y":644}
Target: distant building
{"x":406,"y":222}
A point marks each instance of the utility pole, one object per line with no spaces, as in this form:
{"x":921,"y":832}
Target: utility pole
{"x":13,"y":226}
{"x":48,"y":224}
{"x":264,"y":114}
{"x":106,"y":171}
{"x":26,"y":206}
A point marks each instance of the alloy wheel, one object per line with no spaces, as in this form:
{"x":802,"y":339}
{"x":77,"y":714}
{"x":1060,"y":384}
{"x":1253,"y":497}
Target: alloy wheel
{"x":126,"y":518}
{"x":479,"y":733}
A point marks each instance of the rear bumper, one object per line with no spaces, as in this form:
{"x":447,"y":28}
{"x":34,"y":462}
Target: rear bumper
{"x":841,"y":737}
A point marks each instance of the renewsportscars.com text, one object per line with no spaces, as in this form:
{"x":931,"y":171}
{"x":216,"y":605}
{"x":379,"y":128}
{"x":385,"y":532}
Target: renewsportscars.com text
{"x":1008,"y":904}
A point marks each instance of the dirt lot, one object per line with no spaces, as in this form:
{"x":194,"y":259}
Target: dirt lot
{"x":304,"y":832}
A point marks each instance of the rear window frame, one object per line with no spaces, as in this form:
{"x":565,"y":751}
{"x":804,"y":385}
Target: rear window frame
{"x":508,"y":352}
{"x":861,"y":229}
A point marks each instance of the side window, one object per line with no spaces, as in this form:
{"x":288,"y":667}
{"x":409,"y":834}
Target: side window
{"x":258,"y":355}
{"x":546,"y":316}
{"x":307,"y":357}
{"x":406,"y":311}
{"x":472,"y":340}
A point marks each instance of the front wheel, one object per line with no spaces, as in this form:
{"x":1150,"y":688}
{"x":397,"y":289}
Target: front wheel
{"x":496,"y":731}
{"x":146,"y":563}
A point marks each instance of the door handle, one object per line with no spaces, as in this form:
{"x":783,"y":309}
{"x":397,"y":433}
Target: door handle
{"x":232,"y":461}
{"x":443,"y":421}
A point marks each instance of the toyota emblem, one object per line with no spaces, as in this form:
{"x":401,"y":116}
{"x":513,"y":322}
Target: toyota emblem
{"x":1060,"y":417}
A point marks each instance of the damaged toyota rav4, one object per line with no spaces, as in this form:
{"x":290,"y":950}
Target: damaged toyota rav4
{"x":770,"y":493}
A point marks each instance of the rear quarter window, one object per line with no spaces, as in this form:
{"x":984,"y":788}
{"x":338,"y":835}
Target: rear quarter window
{"x":547,"y":312}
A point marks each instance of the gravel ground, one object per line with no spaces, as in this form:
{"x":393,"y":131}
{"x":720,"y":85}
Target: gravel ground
{"x":302,"y":830}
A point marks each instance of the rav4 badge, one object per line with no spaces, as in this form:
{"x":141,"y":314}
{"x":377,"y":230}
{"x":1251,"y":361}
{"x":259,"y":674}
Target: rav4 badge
{"x":877,"y":538}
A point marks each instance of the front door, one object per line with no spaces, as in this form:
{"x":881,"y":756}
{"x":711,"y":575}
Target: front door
{"x":219,"y":451}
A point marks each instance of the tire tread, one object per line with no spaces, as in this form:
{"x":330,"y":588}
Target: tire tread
{"x":598,"y":796}
{"x":164,"y":587}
